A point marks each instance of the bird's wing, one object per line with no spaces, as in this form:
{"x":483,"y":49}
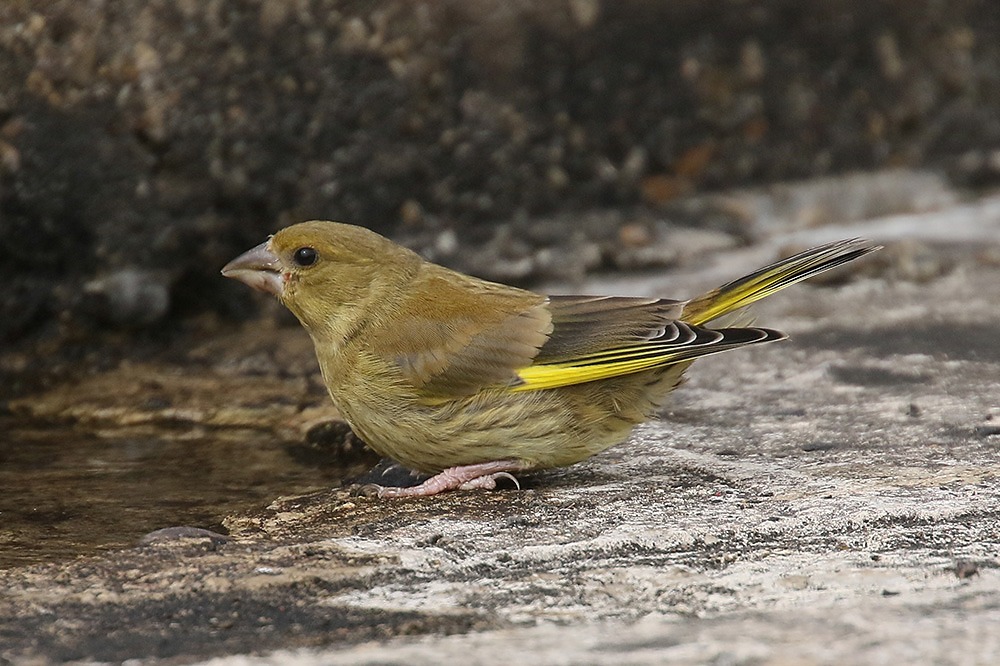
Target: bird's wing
{"x":470,"y":335}
{"x":462,"y":341}
{"x":585,"y":324}
{"x":601,"y":337}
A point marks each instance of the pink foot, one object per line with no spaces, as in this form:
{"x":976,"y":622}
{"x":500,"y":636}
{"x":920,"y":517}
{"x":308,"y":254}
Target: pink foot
{"x":466,"y":477}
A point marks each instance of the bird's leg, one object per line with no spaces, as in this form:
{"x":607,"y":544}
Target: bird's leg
{"x":465,"y":477}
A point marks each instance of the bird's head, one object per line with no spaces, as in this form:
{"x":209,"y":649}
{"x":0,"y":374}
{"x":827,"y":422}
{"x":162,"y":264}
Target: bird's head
{"x":325,"y":271}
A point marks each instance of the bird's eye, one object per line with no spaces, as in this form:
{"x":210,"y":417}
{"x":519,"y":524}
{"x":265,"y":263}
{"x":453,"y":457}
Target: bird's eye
{"x":305,"y":256}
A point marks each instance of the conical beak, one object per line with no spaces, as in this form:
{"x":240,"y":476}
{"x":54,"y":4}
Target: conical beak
{"x":260,"y":268}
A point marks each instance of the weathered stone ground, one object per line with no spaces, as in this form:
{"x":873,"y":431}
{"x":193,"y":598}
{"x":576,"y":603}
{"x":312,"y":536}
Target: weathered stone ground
{"x":834,"y":498}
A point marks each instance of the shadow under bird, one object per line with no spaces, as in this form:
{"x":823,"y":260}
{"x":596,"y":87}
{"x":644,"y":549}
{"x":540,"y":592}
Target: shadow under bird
{"x":470,"y":380}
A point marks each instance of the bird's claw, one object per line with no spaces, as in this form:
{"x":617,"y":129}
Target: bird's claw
{"x":368,"y":490}
{"x":489,"y":481}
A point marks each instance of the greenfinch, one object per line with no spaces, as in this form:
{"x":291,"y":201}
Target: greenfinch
{"x":469,"y":380}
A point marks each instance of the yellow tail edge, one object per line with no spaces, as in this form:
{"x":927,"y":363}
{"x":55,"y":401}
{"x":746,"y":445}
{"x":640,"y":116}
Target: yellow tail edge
{"x":762,"y":283}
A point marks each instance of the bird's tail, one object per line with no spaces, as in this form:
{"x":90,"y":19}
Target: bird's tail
{"x":764,"y":282}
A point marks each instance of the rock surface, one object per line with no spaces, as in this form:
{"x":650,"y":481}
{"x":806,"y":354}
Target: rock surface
{"x":829,"y":499}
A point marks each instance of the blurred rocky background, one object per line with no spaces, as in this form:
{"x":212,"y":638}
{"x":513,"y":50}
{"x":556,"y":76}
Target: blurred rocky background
{"x":143,"y":143}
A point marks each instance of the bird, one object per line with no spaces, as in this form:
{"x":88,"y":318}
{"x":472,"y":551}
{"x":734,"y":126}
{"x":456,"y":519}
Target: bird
{"x":470,"y":381}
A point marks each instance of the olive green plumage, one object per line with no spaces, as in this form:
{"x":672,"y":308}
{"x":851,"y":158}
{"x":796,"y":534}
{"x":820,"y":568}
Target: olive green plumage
{"x":436,"y":369}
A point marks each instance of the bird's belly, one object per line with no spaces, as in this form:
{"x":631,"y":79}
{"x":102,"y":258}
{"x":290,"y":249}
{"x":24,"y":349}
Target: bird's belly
{"x":539,"y":428}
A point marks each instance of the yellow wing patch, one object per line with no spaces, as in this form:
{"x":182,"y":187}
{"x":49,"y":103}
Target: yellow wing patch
{"x":629,"y":360}
{"x":621,"y":362}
